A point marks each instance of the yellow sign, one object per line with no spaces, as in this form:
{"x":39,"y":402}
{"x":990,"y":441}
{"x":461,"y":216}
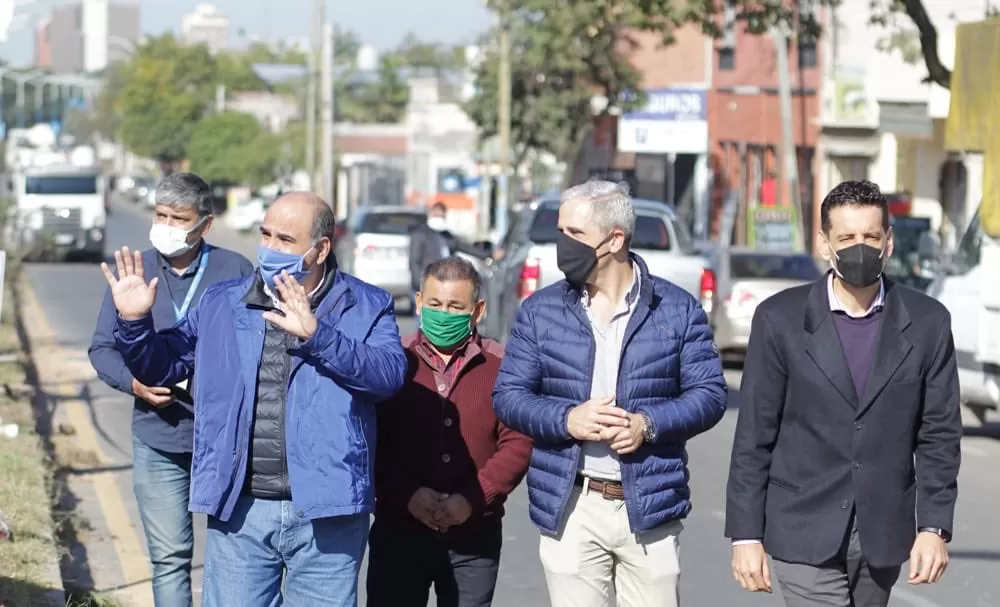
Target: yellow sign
{"x":973,"y":117}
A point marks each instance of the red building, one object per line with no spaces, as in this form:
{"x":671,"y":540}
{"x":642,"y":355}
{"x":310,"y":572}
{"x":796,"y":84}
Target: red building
{"x":678,"y":173}
{"x":745,"y":126}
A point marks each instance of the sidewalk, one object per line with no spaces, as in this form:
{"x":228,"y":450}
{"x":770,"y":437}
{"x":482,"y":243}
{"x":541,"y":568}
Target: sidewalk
{"x":29,"y":558}
{"x":94,"y":519}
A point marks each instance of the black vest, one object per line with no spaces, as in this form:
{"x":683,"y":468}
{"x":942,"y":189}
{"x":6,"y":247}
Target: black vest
{"x":268,"y":464}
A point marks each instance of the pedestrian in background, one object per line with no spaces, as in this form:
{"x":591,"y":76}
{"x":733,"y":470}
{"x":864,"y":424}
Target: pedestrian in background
{"x":292,"y":363}
{"x":610,"y":371}
{"x":434,"y":241}
{"x":849,"y":425}
{"x":163,"y":414}
{"x":445,"y":464}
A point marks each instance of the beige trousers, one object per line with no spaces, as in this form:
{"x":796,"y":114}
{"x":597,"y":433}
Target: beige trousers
{"x":596,"y":558}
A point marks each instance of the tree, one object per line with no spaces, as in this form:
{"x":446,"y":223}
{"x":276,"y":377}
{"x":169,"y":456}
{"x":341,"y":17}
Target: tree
{"x":379,"y":98}
{"x":565,"y":52}
{"x":232,"y":147}
{"x":562,"y":55}
{"x":168,"y":88}
{"x":912,"y":34}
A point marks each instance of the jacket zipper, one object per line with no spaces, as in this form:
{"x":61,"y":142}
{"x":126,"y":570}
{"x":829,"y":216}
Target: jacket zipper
{"x":286,"y":372}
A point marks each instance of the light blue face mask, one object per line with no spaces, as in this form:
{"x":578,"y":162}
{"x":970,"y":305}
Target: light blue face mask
{"x":271,"y":263}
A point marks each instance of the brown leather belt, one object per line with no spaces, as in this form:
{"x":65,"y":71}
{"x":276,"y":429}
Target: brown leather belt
{"x":609,"y":490}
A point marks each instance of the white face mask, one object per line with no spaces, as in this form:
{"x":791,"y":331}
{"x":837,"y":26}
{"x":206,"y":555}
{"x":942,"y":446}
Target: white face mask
{"x":171,"y":241}
{"x":437,"y":224}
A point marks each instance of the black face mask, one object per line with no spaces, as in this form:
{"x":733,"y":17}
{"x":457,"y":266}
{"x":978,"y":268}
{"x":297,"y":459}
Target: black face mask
{"x":859,"y":265}
{"x":576,"y":259}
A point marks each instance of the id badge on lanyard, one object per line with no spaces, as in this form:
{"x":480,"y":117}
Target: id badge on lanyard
{"x":181,"y":312}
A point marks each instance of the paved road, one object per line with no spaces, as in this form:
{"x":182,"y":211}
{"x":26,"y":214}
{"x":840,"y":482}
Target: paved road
{"x":70,"y":295}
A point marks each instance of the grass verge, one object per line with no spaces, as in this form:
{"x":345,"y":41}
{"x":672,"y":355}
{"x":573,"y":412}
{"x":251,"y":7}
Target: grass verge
{"x":28,"y":576}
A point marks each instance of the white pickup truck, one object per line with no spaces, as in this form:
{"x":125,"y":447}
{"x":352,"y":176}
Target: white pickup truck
{"x":529,"y":261}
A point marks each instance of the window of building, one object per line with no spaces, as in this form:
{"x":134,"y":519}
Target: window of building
{"x":807,"y":52}
{"x":727,"y":45}
{"x":808,"y":25}
{"x":727,"y":59}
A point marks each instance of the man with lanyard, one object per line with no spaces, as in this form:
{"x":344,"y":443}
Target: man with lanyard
{"x":163,"y":416}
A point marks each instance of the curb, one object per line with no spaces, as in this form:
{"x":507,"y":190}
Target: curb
{"x":56,"y":595}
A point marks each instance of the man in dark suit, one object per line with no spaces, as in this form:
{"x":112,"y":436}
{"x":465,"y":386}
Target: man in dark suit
{"x":847,"y":382}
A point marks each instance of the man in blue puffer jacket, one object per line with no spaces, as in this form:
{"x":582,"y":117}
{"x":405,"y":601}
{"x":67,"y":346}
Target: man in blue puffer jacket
{"x":610,"y":371}
{"x":291,"y":364}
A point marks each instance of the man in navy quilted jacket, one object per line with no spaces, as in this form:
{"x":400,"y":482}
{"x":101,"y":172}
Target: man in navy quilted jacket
{"x":610,"y":371}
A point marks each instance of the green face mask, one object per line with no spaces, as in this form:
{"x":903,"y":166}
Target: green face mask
{"x":445,"y":329}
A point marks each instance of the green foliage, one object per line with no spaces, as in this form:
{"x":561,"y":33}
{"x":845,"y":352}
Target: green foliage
{"x":232,"y":147}
{"x":168,"y":87}
{"x":381,"y":99}
{"x":563,"y":53}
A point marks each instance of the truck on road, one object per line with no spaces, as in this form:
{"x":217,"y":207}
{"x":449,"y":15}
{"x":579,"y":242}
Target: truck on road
{"x":58,"y":212}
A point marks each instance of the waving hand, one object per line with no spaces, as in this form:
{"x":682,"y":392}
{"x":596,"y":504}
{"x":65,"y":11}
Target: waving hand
{"x":132,"y":296}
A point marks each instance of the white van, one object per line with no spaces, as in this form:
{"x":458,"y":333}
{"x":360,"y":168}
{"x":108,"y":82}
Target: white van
{"x":970,"y":288}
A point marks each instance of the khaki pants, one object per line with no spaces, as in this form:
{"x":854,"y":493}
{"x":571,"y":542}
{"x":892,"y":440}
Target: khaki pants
{"x":596,"y":551}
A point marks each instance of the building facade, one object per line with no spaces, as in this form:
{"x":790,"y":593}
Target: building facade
{"x":660,"y":149}
{"x":881,"y":121}
{"x":745,"y":128}
{"x":206,"y":25}
{"x":86,"y":36}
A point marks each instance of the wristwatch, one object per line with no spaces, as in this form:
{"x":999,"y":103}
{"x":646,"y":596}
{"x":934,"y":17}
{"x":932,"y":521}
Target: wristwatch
{"x":941,"y":533}
{"x":648,"y":431}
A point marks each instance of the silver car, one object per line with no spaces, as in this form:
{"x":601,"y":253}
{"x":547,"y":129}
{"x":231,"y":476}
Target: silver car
{"x":376,"y":246}
{"x":740,"y":279}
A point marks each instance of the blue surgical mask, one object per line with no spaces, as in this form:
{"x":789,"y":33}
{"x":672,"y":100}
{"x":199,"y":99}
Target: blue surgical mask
{"x":271,"y":263}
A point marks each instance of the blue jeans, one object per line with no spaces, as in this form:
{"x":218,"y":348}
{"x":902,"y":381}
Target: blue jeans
{"x":162,"y":485}
{"x":246,"y":556}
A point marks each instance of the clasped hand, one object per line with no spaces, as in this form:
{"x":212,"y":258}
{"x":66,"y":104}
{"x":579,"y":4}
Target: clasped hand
{"x":599,"y":420}
{"x":439,"y":511}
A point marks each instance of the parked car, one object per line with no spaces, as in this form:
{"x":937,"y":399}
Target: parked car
{"x":529,"y":259}
{"x":739,"y":279}
{"x":248,"y":215}
{"x":376,"y":246}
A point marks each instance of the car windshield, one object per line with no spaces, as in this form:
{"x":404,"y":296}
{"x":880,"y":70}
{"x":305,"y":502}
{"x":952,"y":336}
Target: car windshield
{"x":391,"y":223}
{"x":651,"y":233}
{"x":61,"y":185}
{"x":783,"y":267}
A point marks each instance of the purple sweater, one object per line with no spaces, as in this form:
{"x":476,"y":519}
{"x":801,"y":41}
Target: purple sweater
{"x":857,"y":337}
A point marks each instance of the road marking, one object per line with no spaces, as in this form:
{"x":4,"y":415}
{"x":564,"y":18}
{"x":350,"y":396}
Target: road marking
{"x":132,"y":559}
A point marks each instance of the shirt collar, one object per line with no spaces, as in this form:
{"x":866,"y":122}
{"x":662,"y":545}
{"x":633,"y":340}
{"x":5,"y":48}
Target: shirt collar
{"x":463,"y":353}
{"x":630,"y":297}
{"x":191,"y":269}
{"x":274,"y":298}
{"x":838,"y":306}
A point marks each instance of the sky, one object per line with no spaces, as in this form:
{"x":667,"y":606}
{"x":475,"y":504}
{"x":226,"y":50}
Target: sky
{"x":381,"y":23}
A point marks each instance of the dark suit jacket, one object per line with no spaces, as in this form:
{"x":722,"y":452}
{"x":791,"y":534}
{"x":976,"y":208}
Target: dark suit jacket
{"x":428,"y":246}
{"x":807,"y":448}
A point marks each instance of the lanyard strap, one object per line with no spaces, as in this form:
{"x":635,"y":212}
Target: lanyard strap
{"x":181,"y":312}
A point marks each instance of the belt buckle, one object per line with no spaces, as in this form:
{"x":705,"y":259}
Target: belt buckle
{"x":606,"y":492}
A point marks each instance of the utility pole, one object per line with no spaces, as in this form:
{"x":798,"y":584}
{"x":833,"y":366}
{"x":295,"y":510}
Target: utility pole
{"x":503,"y":194}
{"x":789,"y":168}
{"x":326,"y":116}
{"x":319,"y":8}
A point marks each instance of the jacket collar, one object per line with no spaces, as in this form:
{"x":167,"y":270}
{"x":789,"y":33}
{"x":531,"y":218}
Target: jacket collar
{"x":646,"y":299}
{"x":258,"y":297}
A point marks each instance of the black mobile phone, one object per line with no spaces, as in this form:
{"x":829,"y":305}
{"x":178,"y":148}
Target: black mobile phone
{"x":182,"y":395}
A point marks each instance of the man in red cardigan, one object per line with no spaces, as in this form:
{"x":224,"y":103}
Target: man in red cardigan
{"x":445,"y":464}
